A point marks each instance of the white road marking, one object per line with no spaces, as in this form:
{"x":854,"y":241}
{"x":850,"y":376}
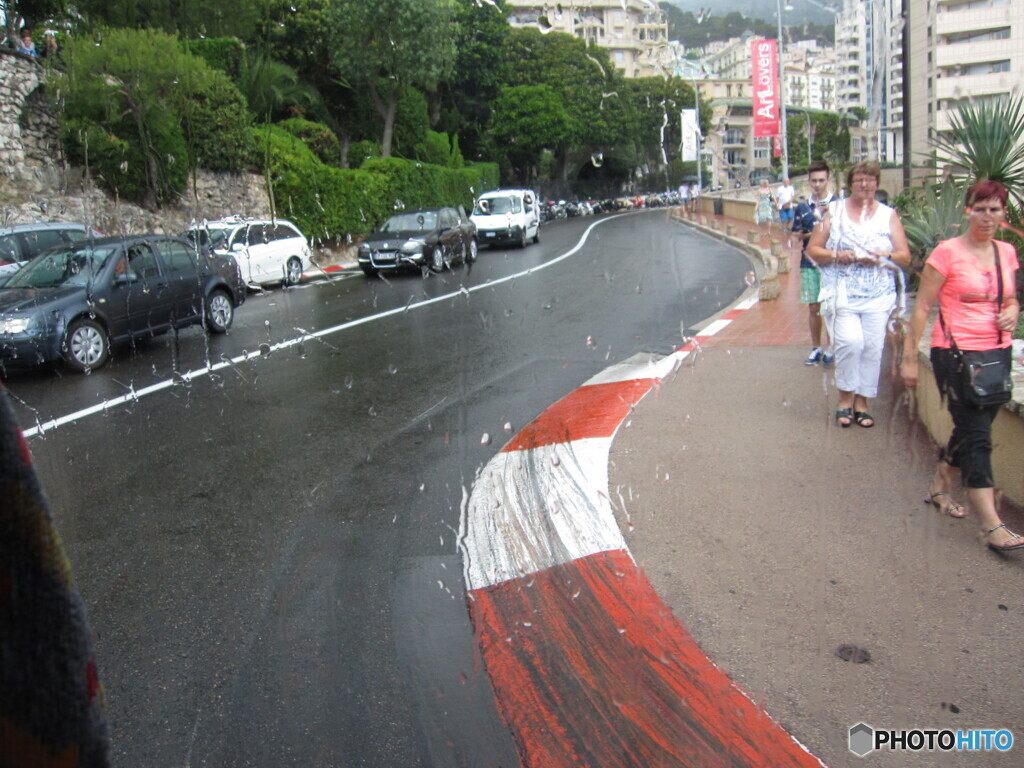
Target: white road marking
{"x":43,"y":427}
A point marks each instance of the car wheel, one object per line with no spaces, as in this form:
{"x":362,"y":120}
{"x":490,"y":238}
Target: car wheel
{"x":472,"y":251}
{"x":522,"y":237}
{"x":219,"y":312}
{"x":437,"y":259}
{"x":536,"y":238}
{"x":293,"y":271}
{"x":86,"y":346}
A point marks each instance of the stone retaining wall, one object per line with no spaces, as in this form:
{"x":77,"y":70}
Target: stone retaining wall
{"x":38,"y":185}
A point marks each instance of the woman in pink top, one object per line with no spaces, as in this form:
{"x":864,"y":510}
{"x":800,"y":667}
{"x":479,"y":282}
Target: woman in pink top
{"x":961,"y":274}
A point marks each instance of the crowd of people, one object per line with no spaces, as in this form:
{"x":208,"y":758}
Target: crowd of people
{"x":853,"y":258}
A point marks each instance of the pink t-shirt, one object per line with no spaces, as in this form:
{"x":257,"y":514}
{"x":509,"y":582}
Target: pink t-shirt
{"x":968,"y":297}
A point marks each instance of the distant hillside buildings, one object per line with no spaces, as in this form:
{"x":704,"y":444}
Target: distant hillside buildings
{"x":959,"y":51}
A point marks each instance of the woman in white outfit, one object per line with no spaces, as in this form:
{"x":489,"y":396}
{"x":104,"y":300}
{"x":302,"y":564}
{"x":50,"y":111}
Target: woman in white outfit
{"x":858,"y":241}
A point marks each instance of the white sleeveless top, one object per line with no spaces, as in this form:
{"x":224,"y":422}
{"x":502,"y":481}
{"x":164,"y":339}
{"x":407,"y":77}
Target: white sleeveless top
{"x":861,"y":237}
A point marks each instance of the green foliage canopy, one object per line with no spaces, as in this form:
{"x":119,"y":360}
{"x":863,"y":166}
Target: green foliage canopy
{"x":391,"y":44}
{"x":150,"y":111}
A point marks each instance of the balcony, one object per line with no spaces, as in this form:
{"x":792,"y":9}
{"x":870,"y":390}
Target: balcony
{"x":949,"y":22}
{"x":970,"y":86}
{"x":969,"y":53}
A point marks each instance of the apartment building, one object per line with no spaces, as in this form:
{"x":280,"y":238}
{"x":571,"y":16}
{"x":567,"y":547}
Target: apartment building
{"x":633,"y":31}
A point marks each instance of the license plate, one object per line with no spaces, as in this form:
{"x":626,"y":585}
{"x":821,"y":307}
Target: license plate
{"x":490,"y":234}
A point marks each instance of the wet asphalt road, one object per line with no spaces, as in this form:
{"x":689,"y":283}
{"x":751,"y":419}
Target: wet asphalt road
{"x":269,"y":553}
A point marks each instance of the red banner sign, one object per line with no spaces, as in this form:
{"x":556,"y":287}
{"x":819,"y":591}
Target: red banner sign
{"x":765,"y":82}
{"x":777,"y":146}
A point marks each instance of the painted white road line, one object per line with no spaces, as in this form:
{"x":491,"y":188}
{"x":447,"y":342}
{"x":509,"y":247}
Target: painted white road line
{"x":45,"y":426}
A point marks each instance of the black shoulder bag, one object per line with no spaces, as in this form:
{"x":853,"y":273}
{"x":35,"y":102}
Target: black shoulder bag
{"x":983,"y":376}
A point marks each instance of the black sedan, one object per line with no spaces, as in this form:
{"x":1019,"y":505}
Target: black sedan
{"x":432,"y":237}
{"x":72,"y":302}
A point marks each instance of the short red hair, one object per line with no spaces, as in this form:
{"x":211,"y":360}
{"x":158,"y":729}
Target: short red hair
{"x":983,"y":190}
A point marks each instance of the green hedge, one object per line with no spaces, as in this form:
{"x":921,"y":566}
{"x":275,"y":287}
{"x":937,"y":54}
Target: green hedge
{"x":226,"y":54}
{"x":328,"y":202}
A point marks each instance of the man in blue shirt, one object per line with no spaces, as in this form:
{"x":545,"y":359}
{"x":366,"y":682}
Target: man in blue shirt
{"x":807,"y":216}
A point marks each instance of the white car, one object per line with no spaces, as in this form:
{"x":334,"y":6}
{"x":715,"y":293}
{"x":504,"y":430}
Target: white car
{"x":507,"y":216}
{"x":267,"y":251}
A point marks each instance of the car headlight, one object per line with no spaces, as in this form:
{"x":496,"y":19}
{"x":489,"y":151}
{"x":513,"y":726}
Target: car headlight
{"x":412,"y":246}
{"x":15,"y":324}
{"x":364,"y":250}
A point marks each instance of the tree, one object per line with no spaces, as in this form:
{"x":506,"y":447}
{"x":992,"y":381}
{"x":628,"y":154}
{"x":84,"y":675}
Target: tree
{"x":526,"y":120}
{"x":983,"y":142}
{"x":189,"y":18}
{"x":482,"y":31}
{"x":143,"y":111}
{"x":271,"y":87}
{"x":389,"y":45}
{"x":586,"y":81}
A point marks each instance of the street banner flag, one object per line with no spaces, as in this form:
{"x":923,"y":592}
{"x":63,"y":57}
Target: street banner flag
{"x":765,"y":85}
{"x":691,"y":131}
{"x":777,"y":146}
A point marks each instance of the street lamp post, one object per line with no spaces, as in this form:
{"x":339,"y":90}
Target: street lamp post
{"x":700,"y":136}
{"x":782,"y":95}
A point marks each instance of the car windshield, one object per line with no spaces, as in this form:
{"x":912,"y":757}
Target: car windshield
{"x":210,"y":237}
{"x":423,"y":221}
{"x":61,"y":266}
{"x":497,"y":205}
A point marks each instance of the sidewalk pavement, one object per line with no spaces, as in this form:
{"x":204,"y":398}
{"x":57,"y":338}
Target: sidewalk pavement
{"x":776,"y":537}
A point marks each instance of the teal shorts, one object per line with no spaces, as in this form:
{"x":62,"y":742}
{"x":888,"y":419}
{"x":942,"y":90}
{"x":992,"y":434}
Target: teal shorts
{"x":810,"y":285}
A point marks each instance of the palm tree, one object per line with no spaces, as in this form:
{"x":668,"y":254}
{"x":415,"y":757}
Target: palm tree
{"x":984,"y":142}
{"x":271,"y":86}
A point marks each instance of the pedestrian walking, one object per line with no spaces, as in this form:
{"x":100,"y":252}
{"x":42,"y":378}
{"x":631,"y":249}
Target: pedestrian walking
{"x":807,"y":217}
{"x":764,"y":210}
{"x":972,"y":277}
{"x":786,"y":195}
{"x":858,"y":245}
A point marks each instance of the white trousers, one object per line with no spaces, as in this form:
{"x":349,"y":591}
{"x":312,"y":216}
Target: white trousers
{"x":858,"y":337}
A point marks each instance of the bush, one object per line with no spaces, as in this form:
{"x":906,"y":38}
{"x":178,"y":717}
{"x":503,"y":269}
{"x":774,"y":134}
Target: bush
{"x":361,"y":151}
{"x":317,"y":136}
{"x":226,"y":54}
{"x":141,"y":101}
{"x":118,"y":163}
{"x":328,"y":202}
{"x":216,"y":123}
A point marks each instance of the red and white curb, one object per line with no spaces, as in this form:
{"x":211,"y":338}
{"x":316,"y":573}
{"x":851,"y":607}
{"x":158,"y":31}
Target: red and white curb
{"x":588,"y":665}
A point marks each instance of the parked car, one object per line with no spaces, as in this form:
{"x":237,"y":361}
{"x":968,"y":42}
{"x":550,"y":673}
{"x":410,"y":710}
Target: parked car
{"x":433,"y":237}
{"x":72,"y":303}
{"x":507,"y":216}
{"x":267,"y":250}
{"x":22,"y":242}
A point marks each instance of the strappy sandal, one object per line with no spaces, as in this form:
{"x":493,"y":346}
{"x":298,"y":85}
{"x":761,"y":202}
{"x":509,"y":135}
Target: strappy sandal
{"x":953,"y":510}
{"x":844,"y":413}
{"x":1011,"y":547}
{"x":863,"y":418}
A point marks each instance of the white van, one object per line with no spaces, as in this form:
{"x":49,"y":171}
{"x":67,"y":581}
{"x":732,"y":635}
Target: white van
{"x":507,"y":216}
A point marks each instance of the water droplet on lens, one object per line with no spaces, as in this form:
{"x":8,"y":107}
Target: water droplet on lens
{"x":485,"y":439}
{"x":264,"y":349}
{"x":348,"y":382}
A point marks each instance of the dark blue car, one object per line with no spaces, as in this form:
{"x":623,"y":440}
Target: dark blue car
{"x":73,"y":302}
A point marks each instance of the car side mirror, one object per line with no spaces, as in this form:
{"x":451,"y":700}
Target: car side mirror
{"x":125,"y":278}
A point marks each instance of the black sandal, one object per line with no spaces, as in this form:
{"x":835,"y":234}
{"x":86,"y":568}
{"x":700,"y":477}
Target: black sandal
{"x":844,"y":413}
{"x":1004,"y":548}
{"x":862,"y":416}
